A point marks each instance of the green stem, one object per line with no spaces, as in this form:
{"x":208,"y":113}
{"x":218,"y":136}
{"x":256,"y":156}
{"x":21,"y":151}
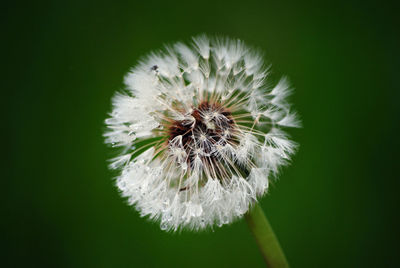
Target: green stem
{"x":266,"y":239}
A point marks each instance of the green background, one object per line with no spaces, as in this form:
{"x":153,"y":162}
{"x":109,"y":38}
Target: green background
{"x":337,"y":205}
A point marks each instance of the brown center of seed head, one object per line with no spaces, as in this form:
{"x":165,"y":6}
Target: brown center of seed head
{"x":211,"y":127}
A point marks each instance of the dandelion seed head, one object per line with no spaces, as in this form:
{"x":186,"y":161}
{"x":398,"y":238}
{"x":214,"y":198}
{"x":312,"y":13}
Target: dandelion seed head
{"x":200,"y":131}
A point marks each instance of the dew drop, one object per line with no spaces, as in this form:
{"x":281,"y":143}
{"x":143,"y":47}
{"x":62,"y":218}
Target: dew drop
{"x":164,"y":226}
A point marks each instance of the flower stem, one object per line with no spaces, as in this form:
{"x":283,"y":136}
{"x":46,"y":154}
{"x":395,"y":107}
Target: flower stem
{"x":266,"y":239}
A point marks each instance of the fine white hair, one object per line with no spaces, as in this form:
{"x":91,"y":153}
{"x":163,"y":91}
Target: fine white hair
{"x":200,"y":132}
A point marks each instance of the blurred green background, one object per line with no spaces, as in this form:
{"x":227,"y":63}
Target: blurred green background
{"x":337,"y":205}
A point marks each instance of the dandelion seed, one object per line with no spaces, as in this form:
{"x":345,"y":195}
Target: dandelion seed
{"x":201,"y":133}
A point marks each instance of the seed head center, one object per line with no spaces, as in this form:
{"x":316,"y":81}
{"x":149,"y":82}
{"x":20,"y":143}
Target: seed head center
{"x":210,"y":130}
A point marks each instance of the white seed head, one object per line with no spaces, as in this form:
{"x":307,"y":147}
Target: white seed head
{"x":200,"y":132}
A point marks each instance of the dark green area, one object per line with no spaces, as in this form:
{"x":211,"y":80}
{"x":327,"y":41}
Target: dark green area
{"x":337,"y":205}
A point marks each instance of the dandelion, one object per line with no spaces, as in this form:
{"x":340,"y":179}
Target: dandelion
{"x":200,"y":132}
